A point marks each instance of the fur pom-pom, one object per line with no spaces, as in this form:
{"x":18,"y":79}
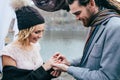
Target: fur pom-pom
{"x":115,"y":4}
{"x":17,"y":4}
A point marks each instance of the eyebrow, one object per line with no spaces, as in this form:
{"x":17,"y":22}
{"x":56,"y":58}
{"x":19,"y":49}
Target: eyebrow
{"x":77,"y":13}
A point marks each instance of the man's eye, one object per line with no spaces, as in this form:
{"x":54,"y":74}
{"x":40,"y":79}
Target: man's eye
{"x":77,"y":13}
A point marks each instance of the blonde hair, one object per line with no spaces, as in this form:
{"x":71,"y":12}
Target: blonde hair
{"x":23,"y":36}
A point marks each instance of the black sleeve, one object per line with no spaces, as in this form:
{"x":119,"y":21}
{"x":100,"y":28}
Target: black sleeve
{"x":51,"y":5}
{"x":13,"y":73}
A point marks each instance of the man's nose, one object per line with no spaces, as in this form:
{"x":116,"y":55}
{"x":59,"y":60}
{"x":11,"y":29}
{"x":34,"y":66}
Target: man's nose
{"x":78,"y":18}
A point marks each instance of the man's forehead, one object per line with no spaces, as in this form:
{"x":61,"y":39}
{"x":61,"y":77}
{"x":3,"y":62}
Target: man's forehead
{"x":74,"y":7}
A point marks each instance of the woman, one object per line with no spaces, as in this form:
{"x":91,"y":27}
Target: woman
{"x":21,"y":59}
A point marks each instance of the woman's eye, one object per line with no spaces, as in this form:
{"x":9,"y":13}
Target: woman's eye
{"x":37,"y":32}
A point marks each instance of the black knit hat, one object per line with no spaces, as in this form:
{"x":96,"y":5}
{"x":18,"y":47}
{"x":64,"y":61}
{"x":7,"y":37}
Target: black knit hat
{"x":27,"y":16}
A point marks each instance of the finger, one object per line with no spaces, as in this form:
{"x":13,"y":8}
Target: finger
{"x":55,"y":68}
{"x":54,"y":73}
{"x":59,"y":57}
{"x":56,"y":54}
{"x":58,"y":73}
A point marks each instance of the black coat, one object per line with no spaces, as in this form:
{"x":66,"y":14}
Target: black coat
{"x":51,"y":5}
{"x":13,"y":73}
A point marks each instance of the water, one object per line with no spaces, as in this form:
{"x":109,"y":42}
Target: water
{"x":69,"y":43}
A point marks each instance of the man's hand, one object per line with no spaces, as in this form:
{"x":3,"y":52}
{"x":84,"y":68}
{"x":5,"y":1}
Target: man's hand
{"x":61,"y":67}
{"x":60,"y":59}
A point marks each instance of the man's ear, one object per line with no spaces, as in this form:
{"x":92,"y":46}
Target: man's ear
{"x":92,"y":6}
{"x":92,"y":3}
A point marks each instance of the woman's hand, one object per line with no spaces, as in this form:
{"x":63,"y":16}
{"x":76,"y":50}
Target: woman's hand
{"x":56,"y":73}
{"x":49,"y":64}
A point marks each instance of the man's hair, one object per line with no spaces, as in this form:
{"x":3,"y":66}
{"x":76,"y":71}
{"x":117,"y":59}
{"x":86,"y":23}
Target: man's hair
{"x":81,"y":2}
{"x":110,"y":4}
{"x":99,"y":3}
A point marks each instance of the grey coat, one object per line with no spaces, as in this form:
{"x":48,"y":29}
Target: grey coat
{"x":102,"y":61}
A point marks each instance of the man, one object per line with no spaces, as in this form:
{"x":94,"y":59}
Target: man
{"x":101,"y":56}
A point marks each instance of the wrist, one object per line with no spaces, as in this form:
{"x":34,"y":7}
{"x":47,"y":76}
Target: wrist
{"x":66,"y":68}
{"x":68,"y":63}
{"x":46,"y":67}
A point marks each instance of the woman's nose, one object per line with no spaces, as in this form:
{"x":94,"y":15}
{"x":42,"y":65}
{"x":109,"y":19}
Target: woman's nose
{"x":40,"y":35}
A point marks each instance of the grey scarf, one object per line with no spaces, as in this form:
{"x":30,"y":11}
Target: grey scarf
{"x":102,"y":16}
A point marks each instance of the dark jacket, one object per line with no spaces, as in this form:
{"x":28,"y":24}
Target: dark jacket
{"x":51,"y":5}
{"x":13,"y":73}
